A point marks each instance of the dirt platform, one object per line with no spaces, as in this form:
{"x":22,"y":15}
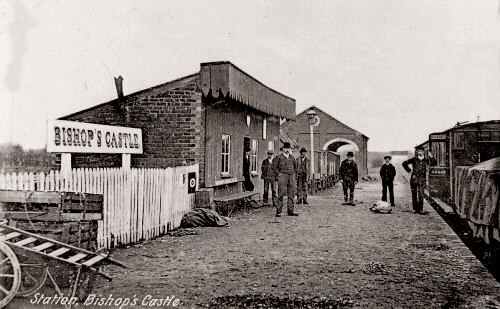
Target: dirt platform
{"x":331,"y":256}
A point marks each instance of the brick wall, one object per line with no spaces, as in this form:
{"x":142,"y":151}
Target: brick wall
{"x":171,"y":119}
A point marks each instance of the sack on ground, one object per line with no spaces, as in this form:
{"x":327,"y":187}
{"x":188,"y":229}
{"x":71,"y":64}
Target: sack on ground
{"x":381,"y":207}
{"x":202,"y":217}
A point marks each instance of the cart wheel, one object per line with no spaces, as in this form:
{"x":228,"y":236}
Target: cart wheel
{"x":33,"y":278}
{"x":10,"y":274}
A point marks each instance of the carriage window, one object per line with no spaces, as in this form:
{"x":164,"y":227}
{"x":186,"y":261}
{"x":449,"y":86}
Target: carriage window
{"x":439,"y":153}
{"x":459,"y":140}
{"x":226,"y":153}
{"x":255,"y":150}
{"x":485,"y":136}
{"x":495,"y":136}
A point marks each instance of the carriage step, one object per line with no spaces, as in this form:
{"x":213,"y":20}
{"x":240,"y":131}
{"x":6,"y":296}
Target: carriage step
{"x":26,"y":241}
{"x":94,"y":260}
{"x":76,"y":257}
{"x":43,"y":246}
{"x":59,"y":252}
{"x":10,"y":236}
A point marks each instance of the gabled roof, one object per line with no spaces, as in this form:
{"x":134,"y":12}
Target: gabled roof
{"x":332,"y":118}
{"x":224,"y":79}
{"x":152,"y":91}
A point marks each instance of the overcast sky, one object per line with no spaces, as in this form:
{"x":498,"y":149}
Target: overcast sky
{"x":394,"y":70}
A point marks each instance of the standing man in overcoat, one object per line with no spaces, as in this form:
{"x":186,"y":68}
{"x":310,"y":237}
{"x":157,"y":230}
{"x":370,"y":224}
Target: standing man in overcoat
{"x":418,"y":178}
{"x":247,"y":184}
{"x":284,"y":168}
{"x":349,"y":178}
{"x":302,"y":177}
{"x":269,"y":178}
{"x":387,"y":174}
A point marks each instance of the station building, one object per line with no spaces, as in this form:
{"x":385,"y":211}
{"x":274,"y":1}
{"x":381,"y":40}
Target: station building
{"x":207,"y":118}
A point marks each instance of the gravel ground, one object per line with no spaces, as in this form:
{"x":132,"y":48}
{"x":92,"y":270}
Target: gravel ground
{"x":331,"y":256}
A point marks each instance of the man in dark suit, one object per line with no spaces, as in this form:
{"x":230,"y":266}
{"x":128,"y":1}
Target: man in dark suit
{"x":247,"y":184}
{"x":284,"y":169}
{"x":387,"y":174}
{"x":302,"y":177}
{"x":418,"y":178}
{"x":349,"y":178}
{"x":269,"y":178}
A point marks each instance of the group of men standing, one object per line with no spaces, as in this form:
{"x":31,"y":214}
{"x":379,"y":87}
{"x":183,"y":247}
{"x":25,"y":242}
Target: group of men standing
{"x":284,"y":174}
{"x":287,"y":173}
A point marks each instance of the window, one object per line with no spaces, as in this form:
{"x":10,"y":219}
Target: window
{"x":226,"y":153}
{"x":270,"y":145}
{"x":459,"y":140}
{"x":264,"y":129}
{"x":485,"y":136}
{"x":439,"y":153}
{"x":253,"y":158}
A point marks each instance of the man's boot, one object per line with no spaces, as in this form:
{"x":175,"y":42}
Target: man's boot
{"x":351,"y":199}
{"x":304,"y":200}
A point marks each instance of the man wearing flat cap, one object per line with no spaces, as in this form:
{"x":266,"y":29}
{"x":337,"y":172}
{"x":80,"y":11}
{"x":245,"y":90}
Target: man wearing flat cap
{"x":418,"y":172}
{"x":284,"y":169}
{"x":349,"y":178}
{"x":302,"y":177}
{"x":269,"y":178}
{"x":387,"y":174}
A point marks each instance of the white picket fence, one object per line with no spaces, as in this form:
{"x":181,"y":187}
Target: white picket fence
{"x":139,"y":203}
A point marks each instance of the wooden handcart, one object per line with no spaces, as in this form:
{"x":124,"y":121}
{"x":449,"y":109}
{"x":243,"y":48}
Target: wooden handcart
{"x":28,"y":260}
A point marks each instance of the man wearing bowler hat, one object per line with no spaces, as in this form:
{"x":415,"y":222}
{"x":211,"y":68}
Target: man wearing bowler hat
{"x":302,"y":177}
{"x":269,"y":178}
{"x":284,"y":168}
{"x":387,"y":174}
{"x":349,"y":178}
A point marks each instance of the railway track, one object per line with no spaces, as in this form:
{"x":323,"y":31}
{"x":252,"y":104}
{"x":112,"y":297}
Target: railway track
{"x":488,"y":255}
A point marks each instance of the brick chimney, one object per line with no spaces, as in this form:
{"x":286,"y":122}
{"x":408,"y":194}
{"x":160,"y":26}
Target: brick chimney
{"x":119,"y":86}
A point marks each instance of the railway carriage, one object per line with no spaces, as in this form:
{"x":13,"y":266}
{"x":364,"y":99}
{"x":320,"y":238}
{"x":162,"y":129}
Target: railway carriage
{"x":462,"y":145}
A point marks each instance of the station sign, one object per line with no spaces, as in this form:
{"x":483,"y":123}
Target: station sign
{"x":80,"y":137}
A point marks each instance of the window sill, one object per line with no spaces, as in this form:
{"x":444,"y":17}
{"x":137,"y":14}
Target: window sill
{"x":225,"y":181}
{"x":225,"y":175}
{"x":255,"y":174}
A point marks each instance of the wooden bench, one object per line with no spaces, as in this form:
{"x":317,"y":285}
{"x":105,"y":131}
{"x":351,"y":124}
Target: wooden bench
{"x":245,"y":196}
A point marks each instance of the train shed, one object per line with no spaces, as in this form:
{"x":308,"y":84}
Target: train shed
{"x":329,"y":135}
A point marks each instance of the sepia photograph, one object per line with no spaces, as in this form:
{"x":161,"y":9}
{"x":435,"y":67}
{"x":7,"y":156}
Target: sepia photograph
{"x":302,"y":154}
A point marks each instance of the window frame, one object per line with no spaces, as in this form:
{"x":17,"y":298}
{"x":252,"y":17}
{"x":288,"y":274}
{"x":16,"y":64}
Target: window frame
{"x":254,"y":155}
{"x":457,"y":139}
{"x":264,"y":129}
{"x":225,"y":155}
{"x":271,"y":145}
{"x":439,"y":153}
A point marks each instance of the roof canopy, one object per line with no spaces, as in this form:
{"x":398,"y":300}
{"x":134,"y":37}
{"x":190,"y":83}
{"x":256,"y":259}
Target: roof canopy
{"x":224,"y":79}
